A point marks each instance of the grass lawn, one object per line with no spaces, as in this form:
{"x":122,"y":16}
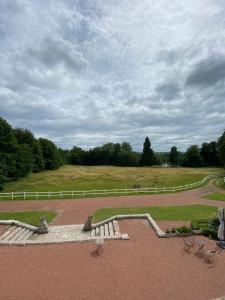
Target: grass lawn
{"x":31,"y":217}
{"x":215,"y":196}
{"x":70,"y":177}
{"x":167,"y":213}
{"x":220,"y":183}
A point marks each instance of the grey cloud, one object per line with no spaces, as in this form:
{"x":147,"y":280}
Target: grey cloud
{"x":168,"y":91}
{"x":52,"y":52}
{"x":207,"y":72}
{"x":85,"y":74}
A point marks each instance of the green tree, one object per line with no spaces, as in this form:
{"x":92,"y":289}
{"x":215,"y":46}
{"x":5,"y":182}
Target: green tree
{"x":210,"y":155}
{"x":52,"y":157}
{"x":174,"y":156}
{"x":77,"y":156}
{"x":192,"y":157}
{"x":126,"y":147}
{"x":26,"y":137}
{"x":221,"y":148}
{"x":147,"y":158}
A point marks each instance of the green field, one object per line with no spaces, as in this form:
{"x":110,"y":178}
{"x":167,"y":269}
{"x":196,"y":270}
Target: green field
{"x":29,"y":217}
{"x":215,"y":196}
{"x":70,"y":177}
{"x":167,"y":213}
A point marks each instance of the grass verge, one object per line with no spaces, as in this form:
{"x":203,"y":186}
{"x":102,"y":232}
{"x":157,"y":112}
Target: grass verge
{"x":167,"y":213}
{"x":31,"y":217}
{"x":215,"y":196}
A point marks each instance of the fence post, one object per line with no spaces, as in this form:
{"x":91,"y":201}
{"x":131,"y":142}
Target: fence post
{"x":24,"y":195}
{"x":12,"y":195}
{"x":164,"y":189}
{"x":36,"y":195}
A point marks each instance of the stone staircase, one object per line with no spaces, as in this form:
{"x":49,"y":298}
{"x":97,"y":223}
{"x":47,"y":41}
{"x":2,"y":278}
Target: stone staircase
{"x":106,"y":230}
{"x":16,"y":234}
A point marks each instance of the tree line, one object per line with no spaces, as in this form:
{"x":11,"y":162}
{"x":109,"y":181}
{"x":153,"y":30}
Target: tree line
{"x":210,"y":154}
{"x":21,"y":153}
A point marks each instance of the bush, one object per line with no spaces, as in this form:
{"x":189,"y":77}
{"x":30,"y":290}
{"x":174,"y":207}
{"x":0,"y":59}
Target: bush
{"x":208,"y":227}
{"x":184,"y":229}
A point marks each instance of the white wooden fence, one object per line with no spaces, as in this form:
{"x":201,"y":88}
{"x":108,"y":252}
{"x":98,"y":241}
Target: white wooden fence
{"x":104,"y":192}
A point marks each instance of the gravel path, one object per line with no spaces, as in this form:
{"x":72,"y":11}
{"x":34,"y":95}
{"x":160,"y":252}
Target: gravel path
{"x":76,"y":211}
{"x":145,"y":267}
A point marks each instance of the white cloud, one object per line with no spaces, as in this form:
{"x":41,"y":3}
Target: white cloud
{"x":84,"y":73}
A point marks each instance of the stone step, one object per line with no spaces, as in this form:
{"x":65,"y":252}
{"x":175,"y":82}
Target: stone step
{"x":106,"y":227}
{"x":97,"y":231}
{"x":111,"y":231}
{"x":12,"y":234}
{"x":7,"y":232}
{"x":28,"y":234}
{"x":102,"y":231}
{"x":116,"y":227}
{"x":33,"y":236}
{"x":20,"y":232}
{"x":3,"y":228}
{"x":93,"y":233}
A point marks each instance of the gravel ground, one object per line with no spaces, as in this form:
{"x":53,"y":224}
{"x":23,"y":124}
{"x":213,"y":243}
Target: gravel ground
{"x":145,"y":267}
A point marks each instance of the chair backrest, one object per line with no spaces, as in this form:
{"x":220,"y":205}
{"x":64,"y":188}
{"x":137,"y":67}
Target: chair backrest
{"x":99,"y":241}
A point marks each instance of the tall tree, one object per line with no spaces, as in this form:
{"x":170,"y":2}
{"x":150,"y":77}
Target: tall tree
{"x":210,"y":155}
{"x":147,"y":158}
{"x":192,"y":157}
{"x":174,"y":156}
{"x":221,"y":148}
{"x":52,"y":157}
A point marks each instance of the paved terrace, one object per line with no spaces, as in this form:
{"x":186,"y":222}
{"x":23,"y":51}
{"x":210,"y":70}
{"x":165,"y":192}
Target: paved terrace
{"x":144,"y":267}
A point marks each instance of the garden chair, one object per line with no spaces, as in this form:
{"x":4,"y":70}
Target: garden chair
{"x":201,"y":245}
{"x":99,"y":243}
{"x":209,"y":255}
{"x":189,"y":243}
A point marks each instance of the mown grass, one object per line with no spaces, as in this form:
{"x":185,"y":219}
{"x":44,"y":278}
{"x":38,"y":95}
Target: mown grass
{"x":31,"y":217}
{"x":220,"y":183}
{"x":215,"y":196}
{"x":167,"y":213}
{"x":70,"y":177}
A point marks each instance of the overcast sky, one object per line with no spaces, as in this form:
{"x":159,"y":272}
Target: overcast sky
{"x":94,"y":71}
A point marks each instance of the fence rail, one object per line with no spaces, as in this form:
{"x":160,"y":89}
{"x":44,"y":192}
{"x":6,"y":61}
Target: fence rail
{"x":105,"y":192}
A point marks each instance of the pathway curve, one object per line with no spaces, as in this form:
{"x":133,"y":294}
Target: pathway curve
{"x":76,"y":210}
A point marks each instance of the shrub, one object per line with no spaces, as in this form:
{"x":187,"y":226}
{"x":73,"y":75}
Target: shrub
{"x":184,"y":229}
{"x":208,"y":227}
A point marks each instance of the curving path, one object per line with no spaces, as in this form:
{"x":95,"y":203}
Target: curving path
{"x":76,"y":211}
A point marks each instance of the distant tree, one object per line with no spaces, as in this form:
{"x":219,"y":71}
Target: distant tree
{"x":26,"y":137}
{"x":192,"y":157}
{"x":8,"y":152}
{"x":221,"y":149}
{"x":158,"y":159}
{"x":51,"y":155}
{"x":128,"y":159}
{"x":126,"y":147}
{"x":210,"y":154}
{"x":77,"y":156}
{"x":24,"y":160}
{"x":174,"y":156}
{"x":147,"y":158}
